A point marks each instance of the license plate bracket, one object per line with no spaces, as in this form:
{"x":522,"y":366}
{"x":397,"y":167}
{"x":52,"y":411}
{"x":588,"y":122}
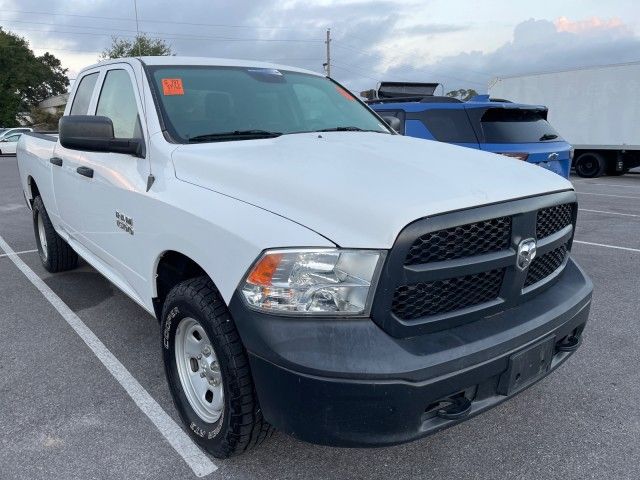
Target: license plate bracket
{"x":527,"y":366}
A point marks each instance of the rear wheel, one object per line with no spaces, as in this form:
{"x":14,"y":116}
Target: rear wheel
{"x":208,"y":371}
{"x":56,"y":254}
{"x":590,"y":165}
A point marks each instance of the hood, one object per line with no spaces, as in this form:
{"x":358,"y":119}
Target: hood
{"x":359,"y":189}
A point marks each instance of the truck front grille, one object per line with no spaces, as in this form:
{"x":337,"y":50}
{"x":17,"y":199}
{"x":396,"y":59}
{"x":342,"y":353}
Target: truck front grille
{"x":553,"y":219}
{"x":451,"y":269}
{"x":461,"y":241}
{"x":432,"y":298}
{"x":545,"y":265}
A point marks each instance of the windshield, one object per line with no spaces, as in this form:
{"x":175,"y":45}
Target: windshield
{"x":238,"y":103}
{"x":502,"y":125}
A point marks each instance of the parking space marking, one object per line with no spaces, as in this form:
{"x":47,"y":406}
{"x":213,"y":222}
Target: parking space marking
{"x":606,"y":195}
{"x":637,"y":250}
{"x":617,"y":185}
{"x":197,"y":460}
{"x":608,"y":213}
{"x":17,"y":253}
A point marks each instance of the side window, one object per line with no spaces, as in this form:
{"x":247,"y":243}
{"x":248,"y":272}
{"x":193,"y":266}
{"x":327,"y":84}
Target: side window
{"x":83,"y":94}
{"x":452,"y":126}
{"x":12,"y":138}
{"x":118,"y":102}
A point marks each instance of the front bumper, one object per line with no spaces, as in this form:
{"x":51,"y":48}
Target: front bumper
{"x":346,"y":382}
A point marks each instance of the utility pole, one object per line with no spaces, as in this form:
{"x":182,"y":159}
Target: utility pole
{"x":327,"y":65}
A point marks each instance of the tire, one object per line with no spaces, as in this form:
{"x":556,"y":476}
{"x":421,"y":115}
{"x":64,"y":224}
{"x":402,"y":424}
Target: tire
{"x":195,"y":306}
{"x":56,"y":254}
{"x":590,"y":165}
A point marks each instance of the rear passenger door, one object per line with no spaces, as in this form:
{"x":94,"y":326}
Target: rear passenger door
{"x":65,"y":162}
{"x":112,"y":198}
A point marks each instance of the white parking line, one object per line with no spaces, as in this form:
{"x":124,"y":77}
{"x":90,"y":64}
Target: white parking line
{"x":606,"y":195}
{"x":608,"y":213}
{"x":16,"y":253}
{"x":637,"y":250}
{"x":617,"y":185}
{"x":179,"y":440}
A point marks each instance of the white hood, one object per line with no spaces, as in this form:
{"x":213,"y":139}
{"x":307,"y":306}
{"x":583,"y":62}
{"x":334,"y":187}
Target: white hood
{"x":359,"y":189}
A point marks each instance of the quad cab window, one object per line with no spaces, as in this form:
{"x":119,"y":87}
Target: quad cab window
{"x":83,"y":94}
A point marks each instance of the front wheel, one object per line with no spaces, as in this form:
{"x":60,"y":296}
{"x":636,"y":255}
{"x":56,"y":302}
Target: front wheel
{"x":208,"y":370}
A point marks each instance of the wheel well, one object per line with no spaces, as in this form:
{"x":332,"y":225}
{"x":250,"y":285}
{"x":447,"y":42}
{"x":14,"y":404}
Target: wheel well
{"x":33,"y":189}
{"x":173,"y":268}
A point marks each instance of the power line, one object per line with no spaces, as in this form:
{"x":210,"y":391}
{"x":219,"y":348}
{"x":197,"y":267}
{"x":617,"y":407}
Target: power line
{"x":219,"y":25}
{"x":176,"y":36}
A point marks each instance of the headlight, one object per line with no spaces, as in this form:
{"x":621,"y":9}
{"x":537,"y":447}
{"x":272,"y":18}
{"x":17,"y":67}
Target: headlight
{"x":313,"y":281}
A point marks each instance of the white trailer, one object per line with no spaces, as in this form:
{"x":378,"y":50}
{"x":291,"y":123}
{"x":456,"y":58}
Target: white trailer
{"x":596,"y":109}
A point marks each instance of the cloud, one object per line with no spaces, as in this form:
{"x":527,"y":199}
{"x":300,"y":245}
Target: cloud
{"x":563,"y":24}
{"x":430,"y":29}
{"x":372,"y":40}
{"x":537,"y":45}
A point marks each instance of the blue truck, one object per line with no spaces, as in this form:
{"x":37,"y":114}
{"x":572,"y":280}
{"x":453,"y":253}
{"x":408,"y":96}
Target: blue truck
{"x":494,"y":125}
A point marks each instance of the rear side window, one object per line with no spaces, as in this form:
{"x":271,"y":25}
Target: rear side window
{"x":451,"y":126}
{"x":118,"y":102}
{"x":501,"y":125}
{"x":83,"y":94}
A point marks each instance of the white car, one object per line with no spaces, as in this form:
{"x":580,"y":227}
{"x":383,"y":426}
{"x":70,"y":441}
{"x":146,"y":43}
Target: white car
{"x":5,"y":132}
{"x":8,"y":144}
{"x":311,"y":269}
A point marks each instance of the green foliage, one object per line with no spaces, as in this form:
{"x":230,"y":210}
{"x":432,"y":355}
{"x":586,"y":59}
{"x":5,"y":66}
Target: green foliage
{"x":140,"y":46}
{"x":26,"y":79}
{"x":462,"y":94}
{"x":44,"y":120}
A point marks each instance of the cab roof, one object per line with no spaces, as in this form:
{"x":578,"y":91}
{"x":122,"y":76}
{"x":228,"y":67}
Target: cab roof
{"x":204,"y":61}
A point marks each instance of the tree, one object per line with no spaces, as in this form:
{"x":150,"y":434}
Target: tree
{"x":462,"y":94}
{"x":140,"y":46}
{"x":26,"y":79}
{"x":43,"y":119}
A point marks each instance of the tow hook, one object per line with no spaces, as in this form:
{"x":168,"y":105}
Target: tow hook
{"x":569,"y":344}
{"x":456,"y":408}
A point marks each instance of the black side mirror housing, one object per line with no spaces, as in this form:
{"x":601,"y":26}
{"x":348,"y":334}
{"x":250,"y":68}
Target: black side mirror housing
{"x":95,"y":134}
{"x":393,"y":122}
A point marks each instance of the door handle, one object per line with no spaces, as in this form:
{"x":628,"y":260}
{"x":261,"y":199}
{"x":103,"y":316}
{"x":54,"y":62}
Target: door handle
{"x":86,"y":171}
{"x":56,"y":161}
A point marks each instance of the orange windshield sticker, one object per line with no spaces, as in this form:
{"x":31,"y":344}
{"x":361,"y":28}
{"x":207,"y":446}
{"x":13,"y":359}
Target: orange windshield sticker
{"x":344,"y":93}
{"x":172,"y":86}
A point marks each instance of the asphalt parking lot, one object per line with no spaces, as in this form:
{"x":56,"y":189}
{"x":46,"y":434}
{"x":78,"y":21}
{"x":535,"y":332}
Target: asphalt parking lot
{"x":63,"y":415}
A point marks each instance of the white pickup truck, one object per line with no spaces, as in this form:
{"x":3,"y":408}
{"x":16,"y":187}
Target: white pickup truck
{"x":311,"y":270}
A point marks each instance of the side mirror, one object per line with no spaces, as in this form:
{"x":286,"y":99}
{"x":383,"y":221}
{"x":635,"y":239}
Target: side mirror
{"x":95,"y":134}
{"x":393,"y":122}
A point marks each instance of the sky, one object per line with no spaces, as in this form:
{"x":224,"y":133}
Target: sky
{"x":459,"y":43}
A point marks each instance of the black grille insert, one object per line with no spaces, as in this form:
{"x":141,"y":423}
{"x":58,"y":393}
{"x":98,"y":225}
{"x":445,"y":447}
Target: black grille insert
{"x":545,"y":265}
{"x":461,"y":241}
{"x":443,"y":296}
{"x":553,"y":219}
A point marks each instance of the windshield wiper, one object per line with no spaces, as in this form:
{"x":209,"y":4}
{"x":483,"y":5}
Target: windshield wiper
{"x":235,"y":135}
{"x":348,"y":129}
{"x":548,"y":136}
